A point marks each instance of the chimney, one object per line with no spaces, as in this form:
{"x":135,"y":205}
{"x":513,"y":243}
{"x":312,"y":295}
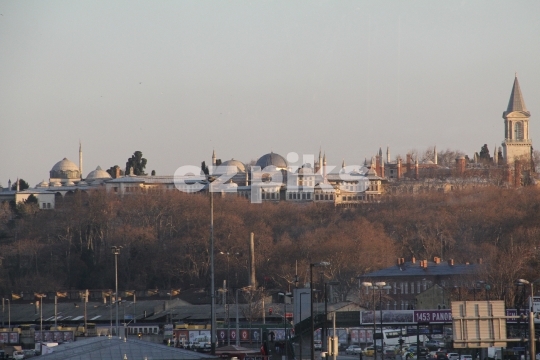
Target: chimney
{"x":116,"y":172}
{"x":451,"y":262}
{"x":398,"y":261}
{"x":413,"y":260}
{"x":399,"y":168}
{"x":416,"y":170}
{"x":437,"y":260}
{"x":403,"y":260}
{"x":480,"y":261}
{"x":382,"y":166}
{"x":460,"y":165}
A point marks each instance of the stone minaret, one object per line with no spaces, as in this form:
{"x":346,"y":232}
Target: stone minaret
{"x":213,"y":157}
{"x":495,"y":155}
{"x":435,"y":157}
{"x":319,"y":166}
{"x":80,"y":160}
{"x":388,"y":154}
{"x":324,"y":169}
{"x":517,"y":144}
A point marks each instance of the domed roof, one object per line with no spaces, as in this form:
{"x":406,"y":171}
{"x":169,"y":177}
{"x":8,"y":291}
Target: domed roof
{"x":99,"y":173}
{"x":65,"y":169}
{"x":222,"y":169}
{"x":42,"y":184}
{"x":272,"y":159}
{"x":64,"y":165}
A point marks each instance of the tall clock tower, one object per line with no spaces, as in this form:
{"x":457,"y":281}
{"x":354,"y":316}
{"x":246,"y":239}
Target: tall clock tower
{"x":517,"y":144}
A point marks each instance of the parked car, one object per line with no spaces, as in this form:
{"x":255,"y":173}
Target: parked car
{"x":317,"y":344}
{"x":369,"y":351}
{"x":442,"y":355}
{"x":389,"y":353}
{"x":453,"y":356}
{"x":466,"y":357}
{"x":435,"y":344}
{"x":353,"y":350}
{"x":421,"y":352}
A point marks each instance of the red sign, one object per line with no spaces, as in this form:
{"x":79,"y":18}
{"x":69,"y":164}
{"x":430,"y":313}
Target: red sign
{"x":289,"y":315}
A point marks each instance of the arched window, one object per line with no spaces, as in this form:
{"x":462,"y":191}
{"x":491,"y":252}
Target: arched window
{"x":518,"y":131}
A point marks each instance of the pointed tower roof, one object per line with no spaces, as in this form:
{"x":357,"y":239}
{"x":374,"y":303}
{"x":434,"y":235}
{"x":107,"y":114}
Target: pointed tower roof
{"x":516,"y":102}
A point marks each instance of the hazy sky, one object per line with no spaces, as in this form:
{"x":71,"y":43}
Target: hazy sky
{"x":176,"y":79}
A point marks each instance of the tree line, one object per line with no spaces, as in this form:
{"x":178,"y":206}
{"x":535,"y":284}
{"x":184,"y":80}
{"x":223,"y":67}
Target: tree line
{"x":165,"y":239}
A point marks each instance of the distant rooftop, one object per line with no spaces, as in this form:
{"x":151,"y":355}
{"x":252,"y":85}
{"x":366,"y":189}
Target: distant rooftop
{"x":432,"y":268}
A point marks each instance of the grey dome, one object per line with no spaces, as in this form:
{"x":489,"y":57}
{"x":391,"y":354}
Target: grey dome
{"x":272,"y":159}
{"x":221,"y":169}
{"x":98,"y":174}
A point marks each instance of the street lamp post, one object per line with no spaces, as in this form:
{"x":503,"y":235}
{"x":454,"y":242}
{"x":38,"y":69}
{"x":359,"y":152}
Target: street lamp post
{"x":325,"y":329}
{"x":311,"y":266}
{"x":212,"y":290}
{"x":532,"y":350}
{"x":116,"y":252}
{"x":41,"y":296}
{"x":285,"y":321}
{"x":380,"y":286}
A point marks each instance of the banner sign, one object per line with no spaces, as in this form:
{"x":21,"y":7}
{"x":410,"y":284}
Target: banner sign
{"x":406,"y":317}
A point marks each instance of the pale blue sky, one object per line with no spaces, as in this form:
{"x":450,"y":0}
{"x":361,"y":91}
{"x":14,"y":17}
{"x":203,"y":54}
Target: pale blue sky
{"x":175,"y":79}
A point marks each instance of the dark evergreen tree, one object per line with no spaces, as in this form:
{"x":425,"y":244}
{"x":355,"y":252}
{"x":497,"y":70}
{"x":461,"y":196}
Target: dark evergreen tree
{"x":137,"y":163}
{"x":31,"y":200}
{"x":204,"y":168}
{"x":484,"y":154}
{"x":23,"y":185}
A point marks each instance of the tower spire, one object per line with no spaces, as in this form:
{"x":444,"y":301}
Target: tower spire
{"x":516,"y":102}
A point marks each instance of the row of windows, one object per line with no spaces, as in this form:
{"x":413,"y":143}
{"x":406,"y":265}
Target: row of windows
{"x":45,"y":205}
{"x":404,"y":287}
{"x":296,"y":196}
{"x":143,"y":330}
{"x":352,"y":198}
{"x":324,"y":197}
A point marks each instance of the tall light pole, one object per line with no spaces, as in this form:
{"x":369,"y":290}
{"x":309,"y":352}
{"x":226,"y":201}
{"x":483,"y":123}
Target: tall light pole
{"x":212,"y":290}
{"x":116,"y":252}
{"x":285,"y":295}
{"x":532,"y":350}
{"x":311,"y":266}
{"x":324,"y":333}
{"x":380,"y":286}
{"x":41,"y":296}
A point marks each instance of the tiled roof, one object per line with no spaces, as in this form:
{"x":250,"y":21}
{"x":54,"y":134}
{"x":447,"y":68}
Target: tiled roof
{"x":409,"y":269}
